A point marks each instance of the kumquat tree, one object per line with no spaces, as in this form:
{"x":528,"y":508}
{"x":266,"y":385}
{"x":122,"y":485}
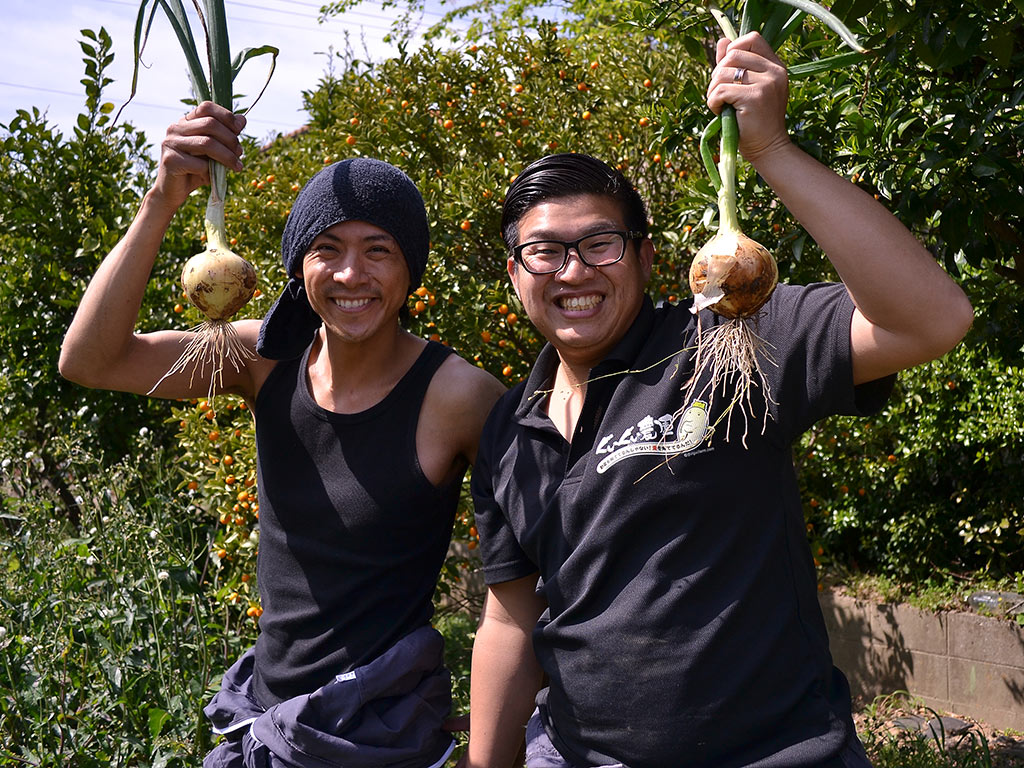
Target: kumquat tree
{"x":129,"y":528}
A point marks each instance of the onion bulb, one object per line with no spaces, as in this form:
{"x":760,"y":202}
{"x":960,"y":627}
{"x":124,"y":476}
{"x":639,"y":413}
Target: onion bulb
{"x":218,"y":282}
{"x":733,"y":276}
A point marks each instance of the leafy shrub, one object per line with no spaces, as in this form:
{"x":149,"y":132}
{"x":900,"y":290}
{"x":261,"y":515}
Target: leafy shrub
{"x":63,"y":204}
{"x":463,"y":122}
{"x":109,"y":637}
{"x":933,"y":482}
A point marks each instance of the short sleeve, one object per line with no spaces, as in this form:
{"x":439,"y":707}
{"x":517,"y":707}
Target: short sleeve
{"x":808,"y":328}
{"x":503,"y":558}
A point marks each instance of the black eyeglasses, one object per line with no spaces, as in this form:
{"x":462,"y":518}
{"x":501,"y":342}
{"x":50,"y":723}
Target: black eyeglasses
{"x":542,"y":257}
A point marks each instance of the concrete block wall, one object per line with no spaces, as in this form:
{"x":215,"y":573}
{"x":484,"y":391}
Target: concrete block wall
{"x":955,"y":662}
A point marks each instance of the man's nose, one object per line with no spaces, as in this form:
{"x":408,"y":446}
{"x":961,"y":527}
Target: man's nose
{"x":347,"y":270}
{"x":574,"y":265}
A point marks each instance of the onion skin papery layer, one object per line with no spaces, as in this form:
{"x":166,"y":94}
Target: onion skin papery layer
{"x":218,"y":282}
{"x":733,"y":275}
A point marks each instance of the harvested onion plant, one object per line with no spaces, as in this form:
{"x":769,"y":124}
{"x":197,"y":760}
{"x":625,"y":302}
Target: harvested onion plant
{"x":733,"y":275}
{"x":217,"y":281}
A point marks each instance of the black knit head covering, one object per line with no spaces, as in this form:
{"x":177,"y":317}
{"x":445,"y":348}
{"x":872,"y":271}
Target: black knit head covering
{"x":357,"y":189}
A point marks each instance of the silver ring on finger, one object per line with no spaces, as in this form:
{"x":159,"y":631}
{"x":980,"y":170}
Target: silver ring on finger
{"x":737,"y":76}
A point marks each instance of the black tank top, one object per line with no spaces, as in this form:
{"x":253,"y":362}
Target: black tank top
{"x":352,"y":533}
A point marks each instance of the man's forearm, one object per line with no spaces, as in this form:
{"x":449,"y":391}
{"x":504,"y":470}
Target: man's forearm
{"x":504,"y":682}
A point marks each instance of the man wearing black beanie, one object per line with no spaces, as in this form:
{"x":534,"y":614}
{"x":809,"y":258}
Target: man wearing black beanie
{"x":363,"y":432}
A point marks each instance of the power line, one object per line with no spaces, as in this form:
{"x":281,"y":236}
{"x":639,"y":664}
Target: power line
{"x":341,"y":19}
{"x":318,"y":6}
{"x":180,"y":108}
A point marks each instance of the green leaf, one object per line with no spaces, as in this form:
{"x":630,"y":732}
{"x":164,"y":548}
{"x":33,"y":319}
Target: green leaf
{"x":999,"y":44}
{"x":861,"y":8}
{"x":841,"y":8}
{"x":964,"y":29}
{"x":696,"y":50}
{"x":251,"y":53}
{"x":906,"y":123}
{"x":798,"y":246}
{"x":983,"y":167}
{"x":178,"y":19}
{"x":898,"y":21}
{"x":157,"y":719}
{"x":830,"y":20}
{"x":849,"y":58}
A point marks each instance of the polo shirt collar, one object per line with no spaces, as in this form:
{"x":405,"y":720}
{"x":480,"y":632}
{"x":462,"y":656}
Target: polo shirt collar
{"x":530,"y":411}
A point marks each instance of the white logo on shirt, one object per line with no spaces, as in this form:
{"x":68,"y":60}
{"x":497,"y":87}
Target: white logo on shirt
{"x":652,"y":435}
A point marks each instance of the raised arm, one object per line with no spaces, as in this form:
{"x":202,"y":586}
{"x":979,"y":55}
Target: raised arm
{"x":101,"y":348}
{"x":908,"y":311}
{"x":505,"y":676}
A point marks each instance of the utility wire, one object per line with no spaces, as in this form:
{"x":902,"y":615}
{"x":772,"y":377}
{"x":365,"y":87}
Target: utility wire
{"x":179,"y":108}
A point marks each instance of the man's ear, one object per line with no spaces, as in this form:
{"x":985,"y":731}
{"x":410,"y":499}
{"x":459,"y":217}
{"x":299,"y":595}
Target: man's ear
{"x":512,"y":267}
{"x":646,"y":256}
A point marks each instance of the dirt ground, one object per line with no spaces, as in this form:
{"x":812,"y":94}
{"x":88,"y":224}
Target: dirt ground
{"x":898,"y":717}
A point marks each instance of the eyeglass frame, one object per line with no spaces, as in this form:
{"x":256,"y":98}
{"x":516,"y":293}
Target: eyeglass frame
{"x":627,"y":236}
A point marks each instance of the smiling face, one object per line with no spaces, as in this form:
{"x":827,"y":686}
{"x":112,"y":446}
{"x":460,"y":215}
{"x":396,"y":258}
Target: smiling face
{"x":583,"y":311}
{"x":356,"y":279}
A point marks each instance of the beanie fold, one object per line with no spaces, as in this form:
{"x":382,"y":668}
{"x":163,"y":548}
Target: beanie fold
{"x":289,"y":326}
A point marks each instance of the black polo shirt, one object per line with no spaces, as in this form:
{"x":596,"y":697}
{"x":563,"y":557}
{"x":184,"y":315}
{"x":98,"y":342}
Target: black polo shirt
{"x":683,"y":627}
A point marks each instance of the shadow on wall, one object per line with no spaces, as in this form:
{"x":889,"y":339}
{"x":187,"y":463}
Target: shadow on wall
{"x":960,"y":662}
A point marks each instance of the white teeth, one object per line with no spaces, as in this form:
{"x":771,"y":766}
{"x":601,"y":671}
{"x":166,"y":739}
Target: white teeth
{"x":578,"y":303}
{"x":351,"y":303}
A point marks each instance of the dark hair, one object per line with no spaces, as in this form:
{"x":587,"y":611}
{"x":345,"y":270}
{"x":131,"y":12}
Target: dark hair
{"x":568,"y":175}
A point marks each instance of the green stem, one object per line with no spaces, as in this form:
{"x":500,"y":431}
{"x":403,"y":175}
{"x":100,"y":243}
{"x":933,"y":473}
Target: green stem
{"x":216,"y":231}
{"x":221,"y":80}
{"x":705,"y":152}
{"x":728,"y":220}
{"x":219,"y":50}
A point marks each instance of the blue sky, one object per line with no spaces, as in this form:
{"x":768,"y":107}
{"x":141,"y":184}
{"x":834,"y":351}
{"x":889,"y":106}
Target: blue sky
{"x":41,"y":62}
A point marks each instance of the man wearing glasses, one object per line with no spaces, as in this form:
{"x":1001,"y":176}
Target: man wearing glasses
{"x":656,"y":574}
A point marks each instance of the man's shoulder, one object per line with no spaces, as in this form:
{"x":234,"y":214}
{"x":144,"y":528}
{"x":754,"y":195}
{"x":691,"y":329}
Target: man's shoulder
{"x":502,"y":419}
{"x":461,"y":387}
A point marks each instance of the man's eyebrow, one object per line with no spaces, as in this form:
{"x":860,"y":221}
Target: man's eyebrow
{"x":550,"y":234}
{"x":327,"y":236}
